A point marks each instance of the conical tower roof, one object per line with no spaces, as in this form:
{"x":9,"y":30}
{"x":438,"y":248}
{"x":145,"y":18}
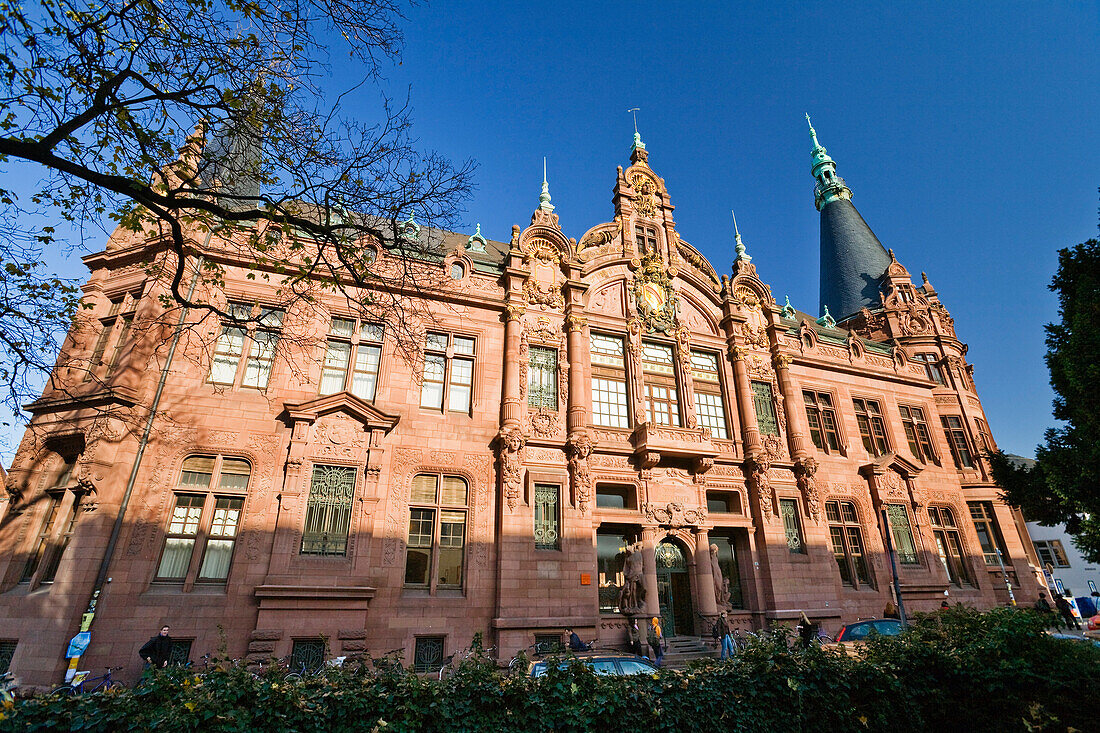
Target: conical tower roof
{"x":852,"y":259}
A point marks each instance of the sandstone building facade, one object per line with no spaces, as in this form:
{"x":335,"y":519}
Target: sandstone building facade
{"x":590,"y":430}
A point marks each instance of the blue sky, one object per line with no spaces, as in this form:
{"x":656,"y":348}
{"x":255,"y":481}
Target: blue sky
{"x":968,"y":133}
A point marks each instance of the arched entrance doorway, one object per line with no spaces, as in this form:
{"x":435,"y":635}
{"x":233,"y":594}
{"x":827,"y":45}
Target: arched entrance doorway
{"x":674,"y":589}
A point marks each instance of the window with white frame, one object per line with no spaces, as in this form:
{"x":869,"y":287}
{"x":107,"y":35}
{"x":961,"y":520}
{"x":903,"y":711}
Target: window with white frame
{"x":709,"y":405}
{"x":245,"y":350}
{"x":609,"y":404}
{"x":353,"y":353}
{"x":1051,"y":552}
{"x":448,"y":378}
{"x":205,"y":520}
{"x":662,"y":405}
{"x":436,"y":546}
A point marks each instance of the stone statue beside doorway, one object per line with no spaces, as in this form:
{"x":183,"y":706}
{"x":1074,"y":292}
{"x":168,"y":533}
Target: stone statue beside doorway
{"x":632,"y":596}
{"x":721,"y":583}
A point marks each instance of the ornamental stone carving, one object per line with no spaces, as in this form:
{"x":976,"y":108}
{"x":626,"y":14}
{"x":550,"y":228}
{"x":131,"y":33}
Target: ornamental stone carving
{"x":805,"y":471}
{"x":674,"y":515}
{"x":509,"y":444}
{"x":579,"y":448}
{"x":656,"y":301}
{"x":545,"y":424}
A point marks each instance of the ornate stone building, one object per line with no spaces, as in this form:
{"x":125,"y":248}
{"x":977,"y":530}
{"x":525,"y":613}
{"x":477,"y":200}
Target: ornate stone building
{"x":591,"y":429}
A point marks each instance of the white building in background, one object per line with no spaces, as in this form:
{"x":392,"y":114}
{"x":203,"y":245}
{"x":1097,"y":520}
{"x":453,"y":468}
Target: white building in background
{"x":1070,"y":573}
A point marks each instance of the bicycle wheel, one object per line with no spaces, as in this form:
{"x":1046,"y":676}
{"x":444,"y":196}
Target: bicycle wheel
{"x":293,"y":678}
{"x":63,"y":691}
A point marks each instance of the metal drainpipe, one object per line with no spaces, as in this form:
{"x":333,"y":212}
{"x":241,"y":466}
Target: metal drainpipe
{"x":89,"y":616}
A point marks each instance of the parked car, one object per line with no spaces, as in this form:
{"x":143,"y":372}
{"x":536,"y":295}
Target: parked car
{"x":853,"y":635}
{"x":609,"y":663}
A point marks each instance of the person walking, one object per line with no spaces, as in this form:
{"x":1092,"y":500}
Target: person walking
{"x":1067,"y":613}
{"x":722,"y":631}
{"x":656,"y":641}
{"x":1042,"y":606}
{"x":157,"y":651}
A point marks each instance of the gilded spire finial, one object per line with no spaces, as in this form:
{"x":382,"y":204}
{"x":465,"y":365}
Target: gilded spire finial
{"x":739,"y":246}
{"x":544,"y":197}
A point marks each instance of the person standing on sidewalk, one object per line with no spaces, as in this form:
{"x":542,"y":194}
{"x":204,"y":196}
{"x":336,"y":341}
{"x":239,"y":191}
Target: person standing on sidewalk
{"x":722,"y":631}
{"x":158,"y":650}
{"x":656,"y":641}
{"x":1067,"y":613}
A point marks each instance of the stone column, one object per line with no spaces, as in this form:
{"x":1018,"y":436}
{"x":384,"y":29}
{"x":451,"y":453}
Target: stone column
{"x":511,"y":407}
{"x":745,"y":404}
{"x":707,"y":602}
{"x":579,"y":380}
{"x":649,"y":564}
{"x":797,"y":428}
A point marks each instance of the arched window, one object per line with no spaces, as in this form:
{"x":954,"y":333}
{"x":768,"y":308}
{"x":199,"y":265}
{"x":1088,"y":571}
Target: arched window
{"x":206,"y":517}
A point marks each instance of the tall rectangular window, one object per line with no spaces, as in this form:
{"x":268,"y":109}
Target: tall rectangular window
{"x":114,"y":334}
{"x":901,"y":531}
{"x":709,"y":405}
{"x":245,"y":352}
{"x":58,"y":546}
{"x":932,"y":369}
{"x":847,"y":540}
{"x":547,"y":517}
{"x":609,"y":404}
{"x":542,"y":377}
{"x":56,"y":529}
{"x":611,"y":552}
{"x":1052,"y":553}
{"x":792,"y":525}
{"x":436,"y":547}
{"x":764,"y":402}
{"x":662,"y":405}
{"x":956,"y":438}
{"x":916,"y":433}
{"x":353,"y":352}
{"x":208,"y":506}
{"x":989,"y":534}
{"x":328,"y":511}
{"x":872,"y":429}
{"x":985,"y":441}
{"x":448,"y":378}
{"x":949,"y":545}
{"x":7,"y":651}
{"x":821,"y":417}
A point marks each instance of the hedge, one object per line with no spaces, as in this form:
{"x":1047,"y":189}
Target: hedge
{"x":955,"y":670}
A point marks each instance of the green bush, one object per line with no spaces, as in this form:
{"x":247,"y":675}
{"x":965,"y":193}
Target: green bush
{"x":954,"y":670}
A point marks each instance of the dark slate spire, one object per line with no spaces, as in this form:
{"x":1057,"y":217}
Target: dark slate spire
{"x":852,"y":258}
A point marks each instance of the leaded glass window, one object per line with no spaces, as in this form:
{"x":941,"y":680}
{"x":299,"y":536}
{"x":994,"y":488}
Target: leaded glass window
{"x":7,"y":651}
{"x":902,"y":533}
{"x":307,"y":655}
{"x":428,"y":654}
{"x":764,"y":402}
{"x":542,"y":377}
{"x":792,"y":525}
{"x":328,"y":510}
{"x":547,"y":517}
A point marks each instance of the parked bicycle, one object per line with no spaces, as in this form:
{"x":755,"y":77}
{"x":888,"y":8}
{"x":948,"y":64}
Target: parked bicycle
{"x":471,"y":652}
{"x":7,"y":688}
{"x":519,"y":662}
{"x":303,"y":671}
{"x":81,"y":683}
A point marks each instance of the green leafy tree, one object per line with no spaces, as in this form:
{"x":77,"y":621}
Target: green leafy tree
{"x":1064,"y":484}
{"x":199,"y":124}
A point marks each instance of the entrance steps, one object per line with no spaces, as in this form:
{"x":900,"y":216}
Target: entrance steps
{"x":684,"y":649}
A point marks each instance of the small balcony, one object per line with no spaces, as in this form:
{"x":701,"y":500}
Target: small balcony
{"x":673,"y":442}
